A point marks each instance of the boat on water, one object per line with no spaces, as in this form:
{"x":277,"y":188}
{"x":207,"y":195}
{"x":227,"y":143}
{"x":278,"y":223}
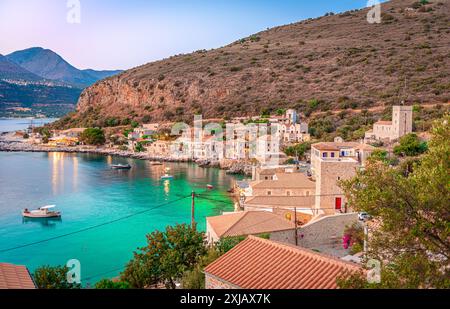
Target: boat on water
{"x":42,"y":212}
{"x":167,"y":176}
{"x":156,"y":163}
{"x":210,"y":187}
{"x":121,"y":166}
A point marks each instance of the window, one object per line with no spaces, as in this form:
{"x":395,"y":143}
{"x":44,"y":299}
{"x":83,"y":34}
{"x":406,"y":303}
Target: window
{"x":288,"y":193}
{"x":269,"y":192}
{"x":325,"y":155}
{"x":332,"y":154}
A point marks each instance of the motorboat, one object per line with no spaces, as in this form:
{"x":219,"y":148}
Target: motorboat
{"x":166,"y":177}
{"x":210,"y":187}
{"x":42,"y":212}
{"x":121,"y":166}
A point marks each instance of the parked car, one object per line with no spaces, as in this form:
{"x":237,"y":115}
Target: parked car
{"x":364,"y":216}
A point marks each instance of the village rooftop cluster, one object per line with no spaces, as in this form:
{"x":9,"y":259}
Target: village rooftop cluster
{"x":295,"y":210}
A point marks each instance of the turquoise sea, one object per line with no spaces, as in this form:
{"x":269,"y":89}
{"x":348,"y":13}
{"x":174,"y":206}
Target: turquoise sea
{"x":92,"y":197}
{"x":16,"y":124}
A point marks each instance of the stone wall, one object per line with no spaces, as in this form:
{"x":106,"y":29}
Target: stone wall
{"x":214,"y":283}
{"x":282,"y":192}
{"x":325,"y":233}
{"x":327,"y":182}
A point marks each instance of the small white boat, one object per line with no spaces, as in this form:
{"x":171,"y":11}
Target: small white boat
{"x":42,"y":212}
{"x":156,"y":163}
{"x":166,"y":176}
{"x":210,"y":187}
{"x":121,"y":167}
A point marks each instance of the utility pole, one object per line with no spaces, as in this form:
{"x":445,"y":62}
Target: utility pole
{"x":296,"y":227}
{"x":366,"y":236}
{"x":193,"y":211}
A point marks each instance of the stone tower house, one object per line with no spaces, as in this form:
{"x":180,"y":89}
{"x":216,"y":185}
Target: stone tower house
{"x":402,"y":120}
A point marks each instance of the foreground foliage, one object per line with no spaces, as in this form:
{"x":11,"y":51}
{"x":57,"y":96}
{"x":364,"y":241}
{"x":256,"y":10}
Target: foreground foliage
{"x":53,"y":277}
{"x":411,"y":207}
{"x":166,"y":257}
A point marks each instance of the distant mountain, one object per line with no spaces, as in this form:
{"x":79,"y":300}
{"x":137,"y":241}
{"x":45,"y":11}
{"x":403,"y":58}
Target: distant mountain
{"x":102,"y":74}
{"x":41,"y":80}
{"x":48,"y":64}
{"x":11,"y":71}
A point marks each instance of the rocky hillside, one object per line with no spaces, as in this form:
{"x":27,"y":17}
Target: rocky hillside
{"x":338,"y":61}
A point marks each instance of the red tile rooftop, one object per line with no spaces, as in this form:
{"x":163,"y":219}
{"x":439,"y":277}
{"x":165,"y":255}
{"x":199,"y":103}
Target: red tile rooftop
{"x":15,"y":277}
{"x":248,"y":223}
{"x":258,"y":263}
{"x":384,"y":123}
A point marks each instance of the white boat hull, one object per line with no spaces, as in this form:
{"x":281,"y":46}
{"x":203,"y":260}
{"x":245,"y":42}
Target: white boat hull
{"x":38,"y":214}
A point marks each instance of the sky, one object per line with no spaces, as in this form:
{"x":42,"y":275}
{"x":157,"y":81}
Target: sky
{"x":121,"y":34}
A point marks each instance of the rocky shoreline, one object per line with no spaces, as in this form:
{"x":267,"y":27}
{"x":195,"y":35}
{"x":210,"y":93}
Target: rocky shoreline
{"x":231,"y":166}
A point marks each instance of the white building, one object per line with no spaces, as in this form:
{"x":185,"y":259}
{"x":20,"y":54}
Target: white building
{"x":400,"y":125}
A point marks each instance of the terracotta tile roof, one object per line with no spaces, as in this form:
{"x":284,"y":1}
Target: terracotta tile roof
{"x":270,"y":171}
{"x":248,"y":223}
{"x":332,"y":146}
{"x":258,"y":263}
{"x":282,"y":201}
{"x":15,"y":277}
{"x":384,"y":123}
{"x":286,"y":180}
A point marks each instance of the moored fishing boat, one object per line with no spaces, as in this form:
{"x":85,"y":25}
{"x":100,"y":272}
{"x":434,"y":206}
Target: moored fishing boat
{"x":42,"y":212}
{"x":167,"y":176}
{"x":121,"y":167}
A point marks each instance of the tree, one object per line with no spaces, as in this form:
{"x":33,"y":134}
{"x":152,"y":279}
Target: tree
{"x":139,"y":147}
{"x":166,"y":257}
{"x":134,"y":124}
{"x":107,"y":284}
{"x":354,"y":238}
{"x":382,"y":156}
{"x":410,"y":145}
{"x":195,"y":278}
{"x":227,"y":243}
{"x":281,"y":111}
{"x":93,"y":136}
{"x":48,"y":277}
{"x":298,"y":150}
{"x":412,"y":239}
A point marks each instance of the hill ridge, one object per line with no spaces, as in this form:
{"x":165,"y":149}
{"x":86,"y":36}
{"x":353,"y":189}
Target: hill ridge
{"x":338,"y":61}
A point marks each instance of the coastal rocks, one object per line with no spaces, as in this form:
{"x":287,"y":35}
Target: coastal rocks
{"x":208,"y":163}
{"x":240,"y":168}
{"x":231,"y":166}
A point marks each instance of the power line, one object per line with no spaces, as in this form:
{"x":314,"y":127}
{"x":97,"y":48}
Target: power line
{"x":93,"y":227}
{"x":102,"y":274}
